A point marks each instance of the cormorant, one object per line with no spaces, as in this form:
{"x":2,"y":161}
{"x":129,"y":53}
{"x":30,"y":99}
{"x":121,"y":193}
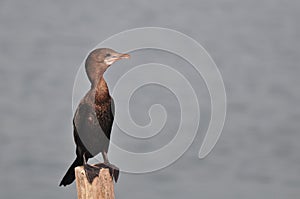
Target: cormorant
{"x":93,"y":118}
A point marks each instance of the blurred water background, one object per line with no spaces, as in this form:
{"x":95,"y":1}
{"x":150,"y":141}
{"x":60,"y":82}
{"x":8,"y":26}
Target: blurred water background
{"x":255,"y":44}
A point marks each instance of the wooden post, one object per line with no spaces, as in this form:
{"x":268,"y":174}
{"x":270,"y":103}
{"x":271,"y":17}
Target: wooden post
{"x":102,"y":186}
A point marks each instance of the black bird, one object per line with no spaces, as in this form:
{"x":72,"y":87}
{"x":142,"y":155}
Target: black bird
{"x":93,"y":119}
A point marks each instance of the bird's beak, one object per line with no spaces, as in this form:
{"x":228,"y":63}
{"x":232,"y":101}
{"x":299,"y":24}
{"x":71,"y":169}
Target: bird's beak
{"x":124,"y":56}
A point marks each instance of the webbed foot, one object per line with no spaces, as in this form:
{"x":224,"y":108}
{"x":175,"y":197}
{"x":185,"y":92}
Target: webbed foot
{"x":113,"y":170}
{"x":91,"y":172}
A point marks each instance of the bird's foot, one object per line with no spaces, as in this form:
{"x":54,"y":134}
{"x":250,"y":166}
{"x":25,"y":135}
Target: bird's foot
{"x":91,"y":172}
{"x":113,"y":170}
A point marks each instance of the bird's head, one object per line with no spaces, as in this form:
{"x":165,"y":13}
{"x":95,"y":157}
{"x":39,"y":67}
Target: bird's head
{"x":99,"y":60}
{"x":105,"y":56}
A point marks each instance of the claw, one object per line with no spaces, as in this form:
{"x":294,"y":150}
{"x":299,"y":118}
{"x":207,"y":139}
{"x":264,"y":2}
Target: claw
{"x":116,"y":174}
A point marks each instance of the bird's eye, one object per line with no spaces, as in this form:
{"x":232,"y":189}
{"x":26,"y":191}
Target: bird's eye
{"x":107,"y":55}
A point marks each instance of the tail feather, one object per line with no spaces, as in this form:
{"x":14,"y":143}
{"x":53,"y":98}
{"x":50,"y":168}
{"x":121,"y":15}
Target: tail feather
{"x":70,"y":175}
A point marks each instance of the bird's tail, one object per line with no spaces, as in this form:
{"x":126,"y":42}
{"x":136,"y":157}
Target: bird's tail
{"x":70,"y":175}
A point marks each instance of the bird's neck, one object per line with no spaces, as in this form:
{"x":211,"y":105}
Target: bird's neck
{"x":101,"y":86}
{"x":101,"y":91}
{"x":95,"y":72}
{"x":98,"y":84}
